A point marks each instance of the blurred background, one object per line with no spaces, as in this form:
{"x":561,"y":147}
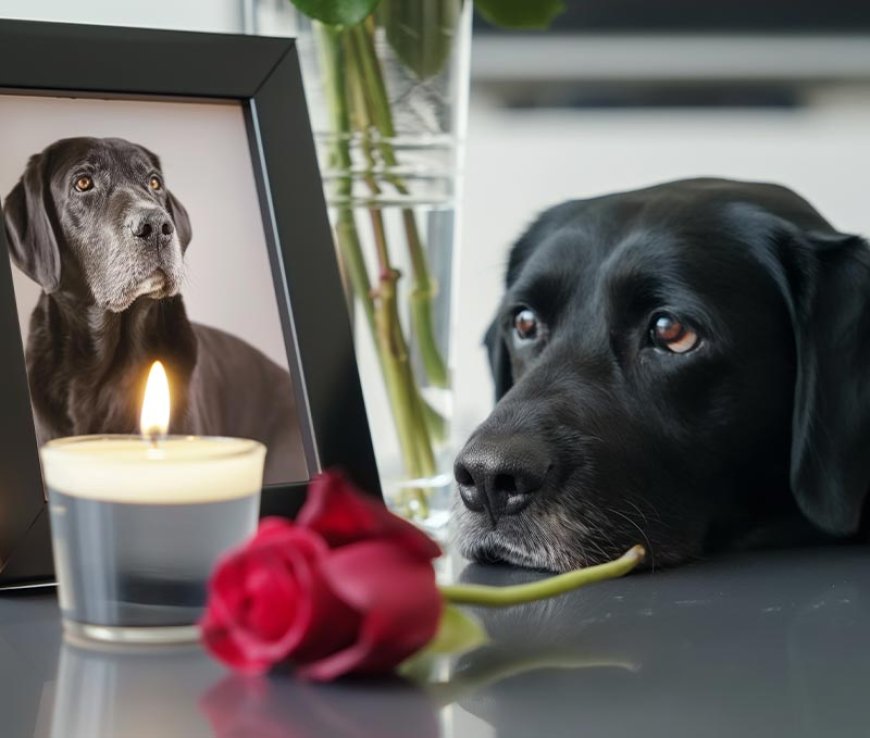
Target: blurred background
{"x":617,"y":94}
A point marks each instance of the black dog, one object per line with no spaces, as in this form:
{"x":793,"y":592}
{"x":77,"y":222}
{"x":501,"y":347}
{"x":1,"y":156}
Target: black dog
{"x":91,"y":221}
{"x":687,"y":366}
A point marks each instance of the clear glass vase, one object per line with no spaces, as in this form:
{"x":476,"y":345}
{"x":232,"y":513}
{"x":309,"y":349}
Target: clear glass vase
{"x":388,"y":102}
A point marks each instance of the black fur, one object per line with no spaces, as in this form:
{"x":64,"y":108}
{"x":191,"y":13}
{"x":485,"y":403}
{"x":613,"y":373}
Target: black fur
{"x":600,"y":439}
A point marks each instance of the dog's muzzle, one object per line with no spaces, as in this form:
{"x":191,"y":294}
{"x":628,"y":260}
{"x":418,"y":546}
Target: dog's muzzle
{"x":153,"y":228}
{"x":500,"y":475}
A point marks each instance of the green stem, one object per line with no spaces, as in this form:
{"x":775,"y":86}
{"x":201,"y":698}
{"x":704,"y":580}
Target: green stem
{"x":414,"y":423}
{"x":477,"y":594}
{"x":332,"y":60}
{"x":335,"y":59}
{"x":349,"y":96}
{"x":396,"y":362}
{"x":423,"y":289}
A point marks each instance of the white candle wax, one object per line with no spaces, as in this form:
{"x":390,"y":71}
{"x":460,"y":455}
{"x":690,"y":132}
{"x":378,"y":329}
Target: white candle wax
{"x":179,"y":469}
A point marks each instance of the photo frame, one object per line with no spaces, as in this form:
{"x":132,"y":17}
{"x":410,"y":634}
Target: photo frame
{"x":261,"y":76}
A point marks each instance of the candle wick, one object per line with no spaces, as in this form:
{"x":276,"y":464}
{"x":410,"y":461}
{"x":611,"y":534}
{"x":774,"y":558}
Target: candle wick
{"x":154,"y":437}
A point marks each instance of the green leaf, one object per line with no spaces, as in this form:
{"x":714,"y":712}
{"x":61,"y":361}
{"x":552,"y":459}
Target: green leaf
{"x":337,"y":12}
{"x":520,"y":13}
{"x":457,"y":632}
{"x":421,"y":32}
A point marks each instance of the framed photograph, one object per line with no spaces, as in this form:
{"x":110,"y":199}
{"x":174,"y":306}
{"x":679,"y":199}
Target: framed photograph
{"x":162,"y":201}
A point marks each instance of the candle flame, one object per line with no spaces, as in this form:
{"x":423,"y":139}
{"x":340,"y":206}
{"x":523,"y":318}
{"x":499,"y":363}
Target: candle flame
{"x":154,"y":421}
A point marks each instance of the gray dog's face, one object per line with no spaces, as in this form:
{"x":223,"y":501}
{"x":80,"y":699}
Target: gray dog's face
{"x":96,"y":213}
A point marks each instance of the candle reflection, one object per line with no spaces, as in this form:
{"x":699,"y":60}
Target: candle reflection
{"x":130,"y":694}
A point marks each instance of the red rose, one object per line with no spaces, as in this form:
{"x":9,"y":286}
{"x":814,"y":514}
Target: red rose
{"x":348,"y":588}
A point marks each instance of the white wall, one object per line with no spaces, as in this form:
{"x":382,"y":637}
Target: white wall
{"x":191,"y":15}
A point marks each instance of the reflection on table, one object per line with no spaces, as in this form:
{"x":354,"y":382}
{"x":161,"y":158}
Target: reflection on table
{"x":769,"y":644}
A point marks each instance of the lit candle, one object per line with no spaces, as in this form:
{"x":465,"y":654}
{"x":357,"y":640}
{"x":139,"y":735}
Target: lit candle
{"x":156,"y":407}
{"x":139,"y":521}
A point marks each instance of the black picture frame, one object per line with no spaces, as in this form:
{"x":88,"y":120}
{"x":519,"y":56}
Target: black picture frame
{"x":263,"y":75}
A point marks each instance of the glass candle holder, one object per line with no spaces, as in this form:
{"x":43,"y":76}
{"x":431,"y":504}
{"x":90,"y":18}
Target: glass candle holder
{"x":137,"y":528}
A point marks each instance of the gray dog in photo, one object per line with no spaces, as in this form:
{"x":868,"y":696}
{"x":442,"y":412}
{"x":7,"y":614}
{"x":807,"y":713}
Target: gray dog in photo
{"x":92,"y":221}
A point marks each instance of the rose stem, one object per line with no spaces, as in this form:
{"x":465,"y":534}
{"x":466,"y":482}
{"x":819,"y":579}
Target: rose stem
{"x":478,"y":594}
{"x":347,"y":102}
{"x":346,"y":232}
{"x":391,"y":335}
{"x":333,"y":59}
{"x":423,"y":289}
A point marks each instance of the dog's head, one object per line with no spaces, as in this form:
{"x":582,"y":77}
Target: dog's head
{"x":93,"y":217}
{"x":676,"y":366}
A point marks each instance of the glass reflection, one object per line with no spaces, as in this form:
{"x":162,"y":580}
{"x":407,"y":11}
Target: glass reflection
{"x":130,"y":694}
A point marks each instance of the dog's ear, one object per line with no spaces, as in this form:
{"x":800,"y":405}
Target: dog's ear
{"x":499,"y":360}
{"x":28,"y":213}
{"x":181,"y":220}
{"x":827,"y":280}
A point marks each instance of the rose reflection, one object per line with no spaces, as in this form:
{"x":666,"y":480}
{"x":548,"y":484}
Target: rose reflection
{"x":281,"y":707}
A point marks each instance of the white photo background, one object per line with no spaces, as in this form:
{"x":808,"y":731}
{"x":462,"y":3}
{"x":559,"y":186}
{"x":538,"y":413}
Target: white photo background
{"x":206,"y":163}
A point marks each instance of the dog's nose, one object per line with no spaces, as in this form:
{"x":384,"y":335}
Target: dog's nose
{"x":154,"y":227}
{"x":500,"y":474}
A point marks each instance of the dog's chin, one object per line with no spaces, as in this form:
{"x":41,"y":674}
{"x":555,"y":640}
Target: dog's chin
{"x":157,"y":286}
{"x":493,"y":550}
{"x":516,"y":543}
{"x":557,"y":543}
{"x":557,"y":539}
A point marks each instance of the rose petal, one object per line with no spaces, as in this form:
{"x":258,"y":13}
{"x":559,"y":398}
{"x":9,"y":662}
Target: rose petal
{"x":217,"y":639}
{"x":399,"y":600}
{"x":230,"y":634}
{"x":257,"y":611}
{"x":333,"y":625}
{"x":336,"y":510}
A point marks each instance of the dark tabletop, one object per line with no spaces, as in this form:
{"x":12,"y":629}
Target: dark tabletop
{"x":768,"y":644}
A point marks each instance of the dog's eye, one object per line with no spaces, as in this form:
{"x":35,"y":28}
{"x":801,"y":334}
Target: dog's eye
{"x":84,"y":183}
{"x":669,"y":333}
{"x":155,"y":184}
{"x":526,"y":325}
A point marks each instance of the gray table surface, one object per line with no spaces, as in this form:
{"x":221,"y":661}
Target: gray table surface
{"x":764,"y":644}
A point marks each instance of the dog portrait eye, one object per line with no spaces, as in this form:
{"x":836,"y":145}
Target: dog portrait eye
{"x":669,"y":333}
{"x":83,"y":183}
{"x":526,"y":325}
{"x":155,"y":183}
